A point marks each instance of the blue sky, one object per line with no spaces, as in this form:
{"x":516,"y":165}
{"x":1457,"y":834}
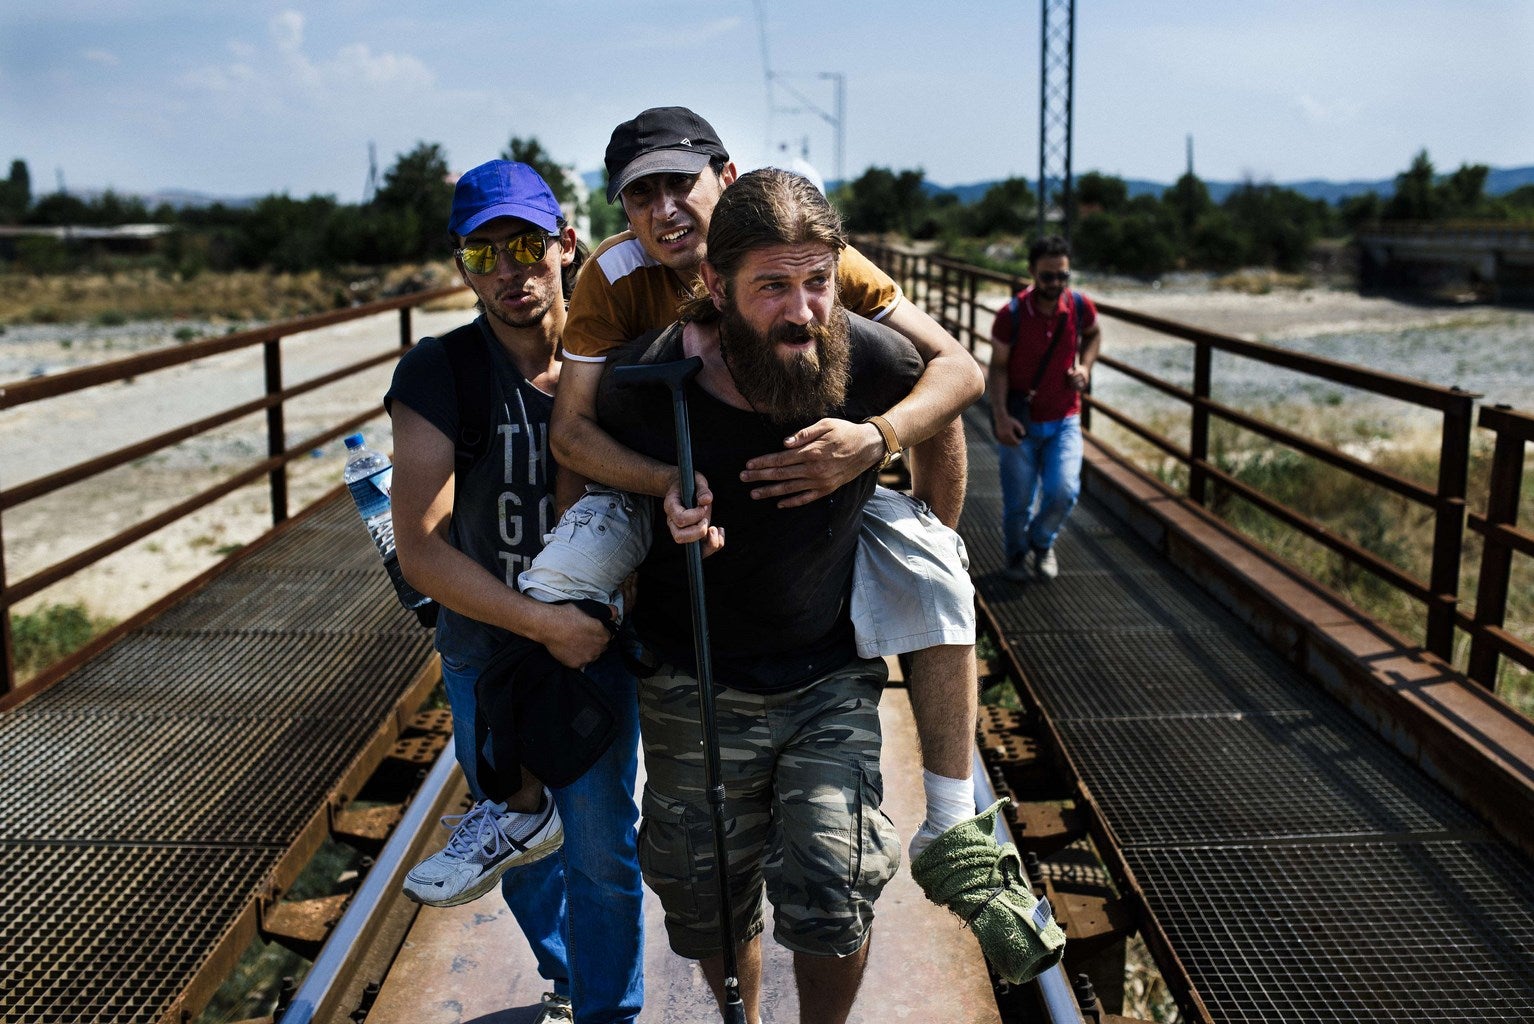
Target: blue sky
{"x":259,"y":97}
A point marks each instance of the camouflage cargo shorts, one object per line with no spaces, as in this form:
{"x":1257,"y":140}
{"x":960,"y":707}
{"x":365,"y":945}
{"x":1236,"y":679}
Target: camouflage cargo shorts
{"x":802,"y":794}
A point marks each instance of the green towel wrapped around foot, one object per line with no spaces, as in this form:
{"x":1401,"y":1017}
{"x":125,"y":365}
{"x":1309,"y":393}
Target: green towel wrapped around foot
{"x":964,"y":870}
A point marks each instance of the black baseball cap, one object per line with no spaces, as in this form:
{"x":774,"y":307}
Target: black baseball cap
{"x":661,"y":140}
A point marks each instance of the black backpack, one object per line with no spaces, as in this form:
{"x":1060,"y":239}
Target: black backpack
{"x":473,"y":373}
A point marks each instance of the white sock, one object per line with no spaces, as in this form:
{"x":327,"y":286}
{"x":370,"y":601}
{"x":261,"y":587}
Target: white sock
{"x":949,"y":801}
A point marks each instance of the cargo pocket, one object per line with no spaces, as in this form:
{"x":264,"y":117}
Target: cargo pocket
{"x":668,"y":851}
{"x":876,"y":849}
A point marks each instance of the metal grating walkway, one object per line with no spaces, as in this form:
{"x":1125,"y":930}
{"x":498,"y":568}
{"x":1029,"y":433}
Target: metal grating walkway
{"x":151,"y":795}
{"x":1300,"y":867}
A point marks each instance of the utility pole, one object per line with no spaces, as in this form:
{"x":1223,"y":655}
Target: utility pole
{"x":837,"y":121}
{"x":1057,"y":50}
{"x":371,"y":188}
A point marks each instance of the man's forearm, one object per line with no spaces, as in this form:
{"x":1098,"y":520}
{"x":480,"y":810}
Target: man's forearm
{"x":581,"y":444}
{"x":996,"y":381}
{"x":949,"y":384}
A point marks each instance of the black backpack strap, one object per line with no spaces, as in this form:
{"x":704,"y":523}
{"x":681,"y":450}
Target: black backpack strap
{"x":666,"y":346}
{"x":473,"y":382}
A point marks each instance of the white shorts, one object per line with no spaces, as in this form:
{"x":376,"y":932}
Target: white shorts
{"x":593,"y":548}
{"x":910,"y":581}
{"x":910,"y":584}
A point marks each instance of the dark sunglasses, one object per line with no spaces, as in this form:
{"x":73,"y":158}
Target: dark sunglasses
{"x":525,"y":249}
{"x":1046,"y":277}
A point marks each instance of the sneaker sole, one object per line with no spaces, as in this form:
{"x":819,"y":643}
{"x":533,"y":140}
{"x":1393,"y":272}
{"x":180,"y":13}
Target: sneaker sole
{"x":487,"y":881}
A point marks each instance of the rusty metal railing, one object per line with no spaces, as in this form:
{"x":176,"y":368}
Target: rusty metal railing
{"x":950,"y":290}
{"x":274,"y":467}
{"x":1501,"y":539}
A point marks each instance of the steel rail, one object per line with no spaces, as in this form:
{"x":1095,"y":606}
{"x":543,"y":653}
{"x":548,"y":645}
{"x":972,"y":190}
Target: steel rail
{"x":331,"y":977}
{"x":1060,"y":1006}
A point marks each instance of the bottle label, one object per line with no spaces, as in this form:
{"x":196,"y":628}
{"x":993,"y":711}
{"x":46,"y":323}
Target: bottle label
{"x":371,"y":493}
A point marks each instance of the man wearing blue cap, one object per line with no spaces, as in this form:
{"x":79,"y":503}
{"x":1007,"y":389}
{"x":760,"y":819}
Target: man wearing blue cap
{"x":463,"y":535}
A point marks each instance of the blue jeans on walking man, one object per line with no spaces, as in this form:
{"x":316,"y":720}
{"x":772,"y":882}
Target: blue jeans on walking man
{"x":581,"y":910}
{"x":1040,"y":481}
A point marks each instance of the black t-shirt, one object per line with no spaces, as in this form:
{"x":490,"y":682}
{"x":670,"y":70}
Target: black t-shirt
{"x":777,"y":594}
{"x":504,"y":503}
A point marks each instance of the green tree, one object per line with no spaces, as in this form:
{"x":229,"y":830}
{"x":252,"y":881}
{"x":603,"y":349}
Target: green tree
{"x":15,"y":193}
{"x":607,"y":219}
{"x":1463,"y":192}
{"x":531,"y":152}
{"x":1189,"y":201}
{"x":58,"y":208}
{"x":1278,"y":224}
{"x":289,"y":234}
{"x":869,"y":203}
{"x":1007,"y":208}
{"x":1416,"y":197}
{"x":1357,"y":211}
{"x":1097,"y":191}
{"x":413,"y":206}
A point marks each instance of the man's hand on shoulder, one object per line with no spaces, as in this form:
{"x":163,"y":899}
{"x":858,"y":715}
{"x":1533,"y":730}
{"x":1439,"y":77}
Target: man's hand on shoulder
{"x":818,"y":459}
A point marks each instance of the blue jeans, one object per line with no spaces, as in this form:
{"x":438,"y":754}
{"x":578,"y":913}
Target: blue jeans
{"x":1045,"y":465}
{"x":582,"y":910}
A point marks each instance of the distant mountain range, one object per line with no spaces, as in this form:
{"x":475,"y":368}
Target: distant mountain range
{"x":1498,"y":182}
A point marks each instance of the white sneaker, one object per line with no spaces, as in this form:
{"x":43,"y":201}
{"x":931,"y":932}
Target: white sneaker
{"x":485,"y":842}
{"x":556,"y":1010}
{"x":1045,"y":565}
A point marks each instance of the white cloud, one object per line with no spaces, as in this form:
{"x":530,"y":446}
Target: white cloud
{"x":356,"y":63}
{"x":1338,"y":111}
{"x":102,"y":57}
{"x":287,"y":31}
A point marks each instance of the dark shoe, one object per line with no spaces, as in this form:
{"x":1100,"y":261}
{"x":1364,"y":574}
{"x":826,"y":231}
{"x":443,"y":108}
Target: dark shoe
{"x":1017,"y":569}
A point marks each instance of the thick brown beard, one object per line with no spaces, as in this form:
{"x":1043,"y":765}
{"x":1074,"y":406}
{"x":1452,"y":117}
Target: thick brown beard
{"x":796,"y":391}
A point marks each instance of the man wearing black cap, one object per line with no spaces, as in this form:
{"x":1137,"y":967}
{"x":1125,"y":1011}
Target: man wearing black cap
{"x":669,"y":169}
{"x":463,"y":534}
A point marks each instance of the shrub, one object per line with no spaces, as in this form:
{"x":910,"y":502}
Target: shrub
{"x":42,"y":637}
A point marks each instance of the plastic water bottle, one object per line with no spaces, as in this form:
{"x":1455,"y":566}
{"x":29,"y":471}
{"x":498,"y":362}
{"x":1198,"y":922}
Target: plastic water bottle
{"x":369,"y":476}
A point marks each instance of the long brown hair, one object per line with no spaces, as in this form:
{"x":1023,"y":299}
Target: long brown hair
{"x":763,"y":208}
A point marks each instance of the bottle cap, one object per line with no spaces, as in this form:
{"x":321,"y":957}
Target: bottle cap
{"x":354,"y":441}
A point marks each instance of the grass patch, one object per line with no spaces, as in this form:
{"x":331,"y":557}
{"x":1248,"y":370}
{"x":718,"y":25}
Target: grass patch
{"x":113,"y":299}
{"x":1396,"y":530}
{"x":54,"y":631}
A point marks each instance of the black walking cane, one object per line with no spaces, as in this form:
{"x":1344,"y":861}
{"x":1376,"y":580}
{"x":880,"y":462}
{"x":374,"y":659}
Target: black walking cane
{"x":675,"y":375}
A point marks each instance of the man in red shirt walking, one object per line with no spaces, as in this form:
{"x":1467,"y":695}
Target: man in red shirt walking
{"x":1043,"y":345}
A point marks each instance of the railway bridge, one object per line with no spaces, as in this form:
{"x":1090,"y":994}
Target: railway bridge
{"x":1300,"y":810}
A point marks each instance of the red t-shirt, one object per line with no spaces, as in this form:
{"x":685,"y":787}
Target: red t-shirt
{"x":1055,"y":399}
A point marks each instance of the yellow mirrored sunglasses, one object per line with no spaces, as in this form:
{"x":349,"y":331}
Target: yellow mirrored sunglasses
{"x":525,"y":249}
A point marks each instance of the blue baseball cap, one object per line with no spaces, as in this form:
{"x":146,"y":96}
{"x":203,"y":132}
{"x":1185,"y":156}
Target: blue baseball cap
{"x":502,"y":188}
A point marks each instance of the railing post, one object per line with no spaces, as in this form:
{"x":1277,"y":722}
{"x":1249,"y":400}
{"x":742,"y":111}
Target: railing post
{"x":973,"y":289}
{"x":1496,"y":555}
{"x":7,"y":643}
{"x":1198,"y":433}
{"x":940,"y":314}
{"x":276,"y":434}
{"x":1449,"y":527}
{"x":406,"y":335}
